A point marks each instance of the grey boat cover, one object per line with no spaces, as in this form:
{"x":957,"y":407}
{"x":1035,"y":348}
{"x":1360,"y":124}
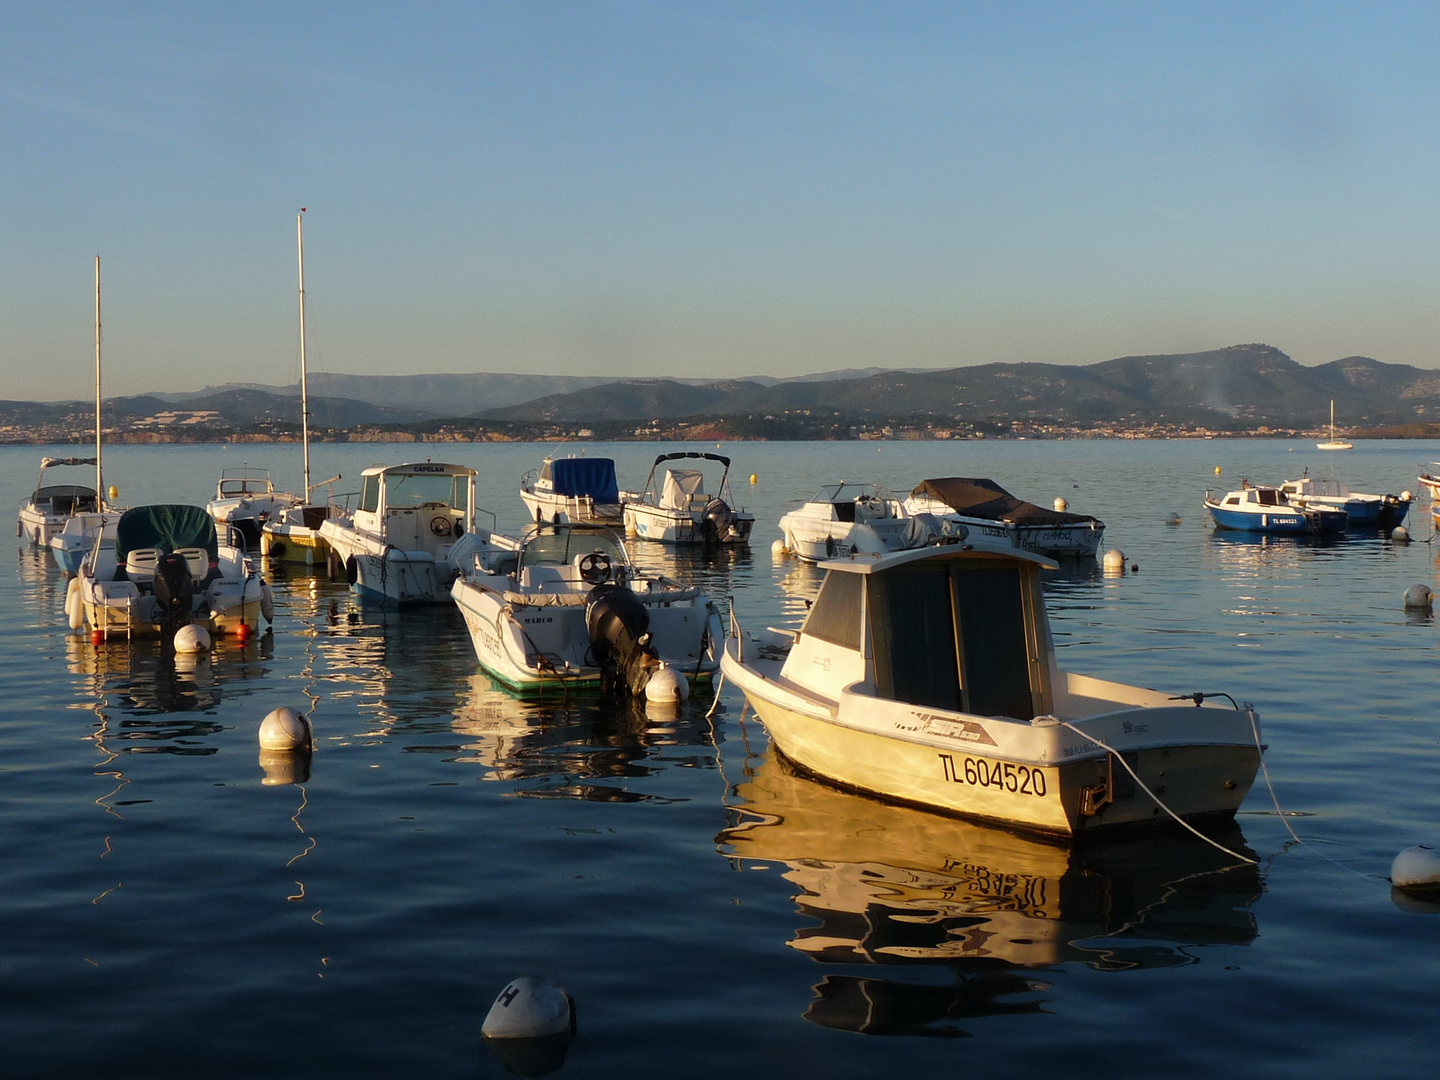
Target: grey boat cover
{"x":981,"y":498}
{"x":167,"y":527}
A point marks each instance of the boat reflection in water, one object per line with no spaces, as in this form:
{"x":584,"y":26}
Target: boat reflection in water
{"x":888,"y":885}
{"x":145,"y":678}
{"x":585,"y":749}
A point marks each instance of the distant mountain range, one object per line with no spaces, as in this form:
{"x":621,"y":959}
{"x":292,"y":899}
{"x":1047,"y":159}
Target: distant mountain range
{"x":1241,"y":387}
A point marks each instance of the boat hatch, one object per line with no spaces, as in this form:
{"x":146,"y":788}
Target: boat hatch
{"x":960,"y":636}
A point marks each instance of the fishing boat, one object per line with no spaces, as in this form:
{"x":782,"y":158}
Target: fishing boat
{"x":1266,"y":509}
{"x":167,"y":568}
{"x":995,"y":518}
{"x":48,"y":510}
{"x":1333,"y":443}
{"x":929,"y":677}
{"x":1362,"y":511}
{"x":563,"y":608}
{"x":678,"y":510}
{"x":291,"y":532}
{"x":576,"y":488}
{"x":855,"y":518}
{"x":397,"y":544}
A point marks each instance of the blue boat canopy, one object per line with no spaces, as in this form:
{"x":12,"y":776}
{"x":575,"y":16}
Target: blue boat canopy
{"x":594,"y":477}
{"x":167,"y":527}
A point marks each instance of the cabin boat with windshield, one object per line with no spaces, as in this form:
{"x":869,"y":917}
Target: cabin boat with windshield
{"x":563,"y":608}
{"x":929,"y":677}
{"x":1266,"y":509}
{"x":679,"y":511}
{"x":398,"y":544}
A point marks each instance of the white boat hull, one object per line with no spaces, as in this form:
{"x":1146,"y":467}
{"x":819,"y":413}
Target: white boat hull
{"x":677,"y":527}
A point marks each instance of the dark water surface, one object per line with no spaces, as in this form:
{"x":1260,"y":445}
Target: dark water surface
{"x":167,"y":912}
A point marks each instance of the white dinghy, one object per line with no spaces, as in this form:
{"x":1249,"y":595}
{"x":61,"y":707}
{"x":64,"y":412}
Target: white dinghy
{"x":929,"y":677}
{"x":564,"y":609}
{"x":856,"y":518}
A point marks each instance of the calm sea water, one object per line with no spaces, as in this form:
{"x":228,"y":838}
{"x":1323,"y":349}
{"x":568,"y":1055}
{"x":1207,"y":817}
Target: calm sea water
{"x":167,"y":912}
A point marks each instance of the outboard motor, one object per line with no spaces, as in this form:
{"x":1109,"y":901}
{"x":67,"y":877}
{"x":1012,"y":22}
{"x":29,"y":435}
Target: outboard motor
{"x":716,"y":520}
{"x":174,"y":592}
{"x":619,"y":628}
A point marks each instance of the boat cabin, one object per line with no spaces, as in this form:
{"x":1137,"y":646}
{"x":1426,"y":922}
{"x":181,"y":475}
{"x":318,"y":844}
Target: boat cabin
{"x":1257,"y":496}
{"x":418,"y":506}
{"x":242,"y":483}
{"x":62,"y":500}
{"x":948,"y":628}
{"x":562,"y":557}
{"x":849,"y":502}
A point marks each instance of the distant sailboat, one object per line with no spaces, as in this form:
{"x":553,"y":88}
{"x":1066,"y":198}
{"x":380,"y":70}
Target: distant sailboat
{"x":1334,"y":443}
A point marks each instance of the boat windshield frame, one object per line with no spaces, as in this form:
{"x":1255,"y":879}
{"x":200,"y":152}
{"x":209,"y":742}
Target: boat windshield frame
{"x":543,"y":544}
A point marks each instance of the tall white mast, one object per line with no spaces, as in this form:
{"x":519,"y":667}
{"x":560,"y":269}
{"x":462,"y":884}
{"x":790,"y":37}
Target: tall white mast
{"x":99,"y":473}
{"x":304,"y":399}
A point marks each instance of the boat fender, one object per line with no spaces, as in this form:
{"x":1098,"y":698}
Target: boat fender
{"x":74,"y":604}
{"x":1417,"y":869}
{"x":267,"y":601}
{"x":352,"y":570}
{"x":1419,"y":596}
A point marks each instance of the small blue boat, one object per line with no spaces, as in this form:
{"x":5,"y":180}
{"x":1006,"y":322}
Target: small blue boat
{"x":1265,"y":509}
{"x":1365,"y":511}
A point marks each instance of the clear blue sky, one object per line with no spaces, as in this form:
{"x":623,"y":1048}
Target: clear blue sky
{"x":709,"y":189}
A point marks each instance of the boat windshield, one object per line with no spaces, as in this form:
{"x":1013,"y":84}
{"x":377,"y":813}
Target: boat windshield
{"x":410,"y":489}
{"x":562,"y":546}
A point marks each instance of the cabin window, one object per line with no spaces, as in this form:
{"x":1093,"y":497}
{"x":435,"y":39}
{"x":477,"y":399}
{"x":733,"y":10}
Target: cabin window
{"x":1267,"y":498}
{"x":370,"y":494}
{"x":914,"y":627}
{"x":954,"y":637}
{"x":835,"y":615}
{"x":992,"y":633}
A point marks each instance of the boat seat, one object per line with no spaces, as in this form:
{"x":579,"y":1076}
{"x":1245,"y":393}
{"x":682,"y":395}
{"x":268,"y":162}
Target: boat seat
{"x":140,"y":564}
{"x":198,"y":560}
{"x":542,"y":578}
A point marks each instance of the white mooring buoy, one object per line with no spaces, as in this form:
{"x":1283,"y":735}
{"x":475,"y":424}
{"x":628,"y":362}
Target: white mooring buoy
{"x":530,"y":1007}
{"x":285,"y":729}
{"x":1400,"y":534}
{"x":667,"y":686}
{"x":1419,"y":596}
{"x":779,"y":549}
{"x":1061,"y":505}
{"x":1417,"y":869}
{"x":192,"y":638}
{"x":1114,"y":561}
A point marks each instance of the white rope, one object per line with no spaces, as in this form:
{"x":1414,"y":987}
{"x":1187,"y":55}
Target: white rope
{"x":1120,"y":758}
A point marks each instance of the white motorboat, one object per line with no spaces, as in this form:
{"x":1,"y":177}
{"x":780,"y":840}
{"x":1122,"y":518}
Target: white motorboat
{"x":678,"y":510}
{"x":245,"y":499}
{"x":575,"y":488}
{"x":929,"y":677}
{"x":564,"y":609}
{"x":166,"y":568}
{"x":398,"y":543}
{"x":291,"y":532}
{"x":995,"y":518}
{"x":1333,"y":443}
{"x":51,"y":505}
{"x":1430,"y":480}
{"x":855,"y":518}
{"x":73,"y":542}
{"x":1361,"y":510}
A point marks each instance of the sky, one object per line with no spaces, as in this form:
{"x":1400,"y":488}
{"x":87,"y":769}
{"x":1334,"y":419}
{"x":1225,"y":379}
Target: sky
{"x":708,"y":189}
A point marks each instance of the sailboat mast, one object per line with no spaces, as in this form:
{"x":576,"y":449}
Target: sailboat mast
{"x":304,"y":398}
{"x":99,"y":472}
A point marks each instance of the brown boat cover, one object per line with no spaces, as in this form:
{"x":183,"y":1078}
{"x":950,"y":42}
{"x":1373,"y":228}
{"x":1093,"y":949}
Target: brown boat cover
{"x":978,"y":497}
